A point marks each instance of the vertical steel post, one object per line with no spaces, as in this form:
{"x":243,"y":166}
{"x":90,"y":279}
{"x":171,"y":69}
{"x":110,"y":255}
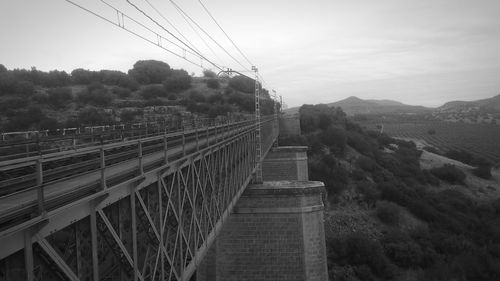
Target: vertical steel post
{"x":258,"y":145}
{"x":39,"y":183}
{"x":183,"y":142}
{"x":141,"y":165}
{"x":93,"y":237}
{"x":28,"y":255}
{"x":103,"y":168}
{"x":134,"y":233}
{"x":165,"y":148}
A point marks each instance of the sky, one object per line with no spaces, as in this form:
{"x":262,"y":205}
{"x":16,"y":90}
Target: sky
{"x":420,"y":52}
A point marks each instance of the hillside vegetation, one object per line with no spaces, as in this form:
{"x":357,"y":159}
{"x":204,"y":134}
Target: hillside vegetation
{"x":37,"y":100}
{"x":387,"y":217}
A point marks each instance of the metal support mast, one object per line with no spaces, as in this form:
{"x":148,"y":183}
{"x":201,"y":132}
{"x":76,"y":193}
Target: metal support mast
{"x":276,"y":120}
{"x":258,"y":144}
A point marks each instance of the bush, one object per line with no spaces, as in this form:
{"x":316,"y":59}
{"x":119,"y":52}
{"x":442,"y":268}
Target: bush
{"x":357,"y":249}
{"x":92,"y":116}
{"x":449,"y":173}
{"x":179,"y":81}
{"x":388,"y":212}
{"x":460,"y":155}
{"x":197,"y":96}
{"x":121,"y":92}
{"x":431,"y":132}
{"x":209,"y":73}
{"x":129,"y":115}
{"x":59,"y":97}
{"x":213,"y":83}
{"x":242,"y":84}
{"x":366,"y":163}
{"x":12,"y":103}
{"x":483,"y":171}
{"x":335,"y":138}
{"x":150,"y":71}
{"x":152,"y":92}
{"x":402,"y":250}
{"x":96,"y":94}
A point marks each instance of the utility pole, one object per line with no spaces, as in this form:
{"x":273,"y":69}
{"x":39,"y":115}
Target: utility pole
{"x":258,"y":144}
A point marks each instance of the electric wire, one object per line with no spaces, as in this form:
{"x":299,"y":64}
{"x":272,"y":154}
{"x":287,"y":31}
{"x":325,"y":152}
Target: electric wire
{"x":220,"y":27}
{"x":198,"y":34}
{"x":208,"y":35}
{"x":122,"y":26}
{"x":172,"y":25}
{"x":162,"y":27}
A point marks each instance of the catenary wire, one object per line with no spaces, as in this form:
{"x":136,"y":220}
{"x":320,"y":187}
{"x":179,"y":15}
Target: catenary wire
{"x":223,"y":31}
{"x":206,"y":33}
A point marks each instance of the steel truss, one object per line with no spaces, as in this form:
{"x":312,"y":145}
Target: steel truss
{"x":156,"y":226}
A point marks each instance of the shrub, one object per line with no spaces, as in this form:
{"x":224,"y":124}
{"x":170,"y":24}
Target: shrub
{"x":366,"y":163}
{"x":335,"y":138}
{"x":460,"y":155}
{"x":483,"y":171}
{"x":152,"y":92}
{"x":12,"y":103}
{"x":150,"y":71}
{"x":401,"y":249}
{"x":369,"y":191}
{"x":121,"y":92}
{"x":213,"y":83}
{"x":96,"y":94}
{"x":197,"y":96}
{"x":242,"y":84}
{"x":431,"y":132}
{"x":178,"y":81}
{"x":357,"y":249}
{"x":59,"y":97}
{"x":449,"y":173}
{"x":92,"y":116}
{"x":388,"y":212}
{"x":209,"y":73}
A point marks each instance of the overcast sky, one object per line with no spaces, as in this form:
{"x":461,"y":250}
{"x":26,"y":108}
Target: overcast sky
{"x":422,"y":52}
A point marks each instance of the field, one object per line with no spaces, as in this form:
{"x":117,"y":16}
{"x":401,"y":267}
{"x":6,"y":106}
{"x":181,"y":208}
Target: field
{"x":479,"y":139}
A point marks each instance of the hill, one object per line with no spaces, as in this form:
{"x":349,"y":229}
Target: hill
{"x":354,"y":105}
{"x":150,"y":91}
{"x":478,"y":111}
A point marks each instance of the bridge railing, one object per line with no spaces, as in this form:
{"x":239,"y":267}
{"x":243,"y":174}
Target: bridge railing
{"x":160,"y":205}
{"x":29,"y":177}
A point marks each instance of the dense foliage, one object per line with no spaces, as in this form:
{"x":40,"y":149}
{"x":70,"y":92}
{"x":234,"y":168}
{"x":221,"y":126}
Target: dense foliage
{"x":461,"y":240}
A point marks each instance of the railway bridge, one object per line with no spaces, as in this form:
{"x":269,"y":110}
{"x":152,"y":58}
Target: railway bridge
{"x":181,"y":205}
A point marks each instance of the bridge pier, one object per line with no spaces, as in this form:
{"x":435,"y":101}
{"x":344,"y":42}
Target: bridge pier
{"x":276,"y":229}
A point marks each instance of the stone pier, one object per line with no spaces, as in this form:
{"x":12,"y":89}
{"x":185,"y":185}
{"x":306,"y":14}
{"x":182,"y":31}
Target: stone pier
{"x":276,"y":230}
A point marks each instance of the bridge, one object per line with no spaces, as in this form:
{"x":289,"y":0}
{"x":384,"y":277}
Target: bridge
{"x":155,"y":207}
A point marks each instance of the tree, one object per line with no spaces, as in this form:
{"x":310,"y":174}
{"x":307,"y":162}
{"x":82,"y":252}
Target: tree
{"x":150,"y":71}
{"x":209,"y":73}
{"x":242,"y":84}
{"x":212,"y":83}
{"x":59,"y":97}
{"x":2,"y":68}
{"x":179,"y":81}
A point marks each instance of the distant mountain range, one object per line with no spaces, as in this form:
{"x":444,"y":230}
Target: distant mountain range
{"x":354,"y":105}
{"x":479,"y":111}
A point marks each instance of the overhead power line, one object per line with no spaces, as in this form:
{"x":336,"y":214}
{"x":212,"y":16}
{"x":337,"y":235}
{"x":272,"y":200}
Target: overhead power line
{"x":121,"y":24}
{"x":166,"y":30}
{"x":206,"y":33}
{"x":220,"y":27}
{"x":171,"y":24}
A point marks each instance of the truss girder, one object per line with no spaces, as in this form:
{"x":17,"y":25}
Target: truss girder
{"x":157,"y":226}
